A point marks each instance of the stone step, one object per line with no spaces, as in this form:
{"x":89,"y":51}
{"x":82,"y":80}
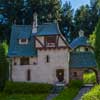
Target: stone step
{"x":57,"y":89}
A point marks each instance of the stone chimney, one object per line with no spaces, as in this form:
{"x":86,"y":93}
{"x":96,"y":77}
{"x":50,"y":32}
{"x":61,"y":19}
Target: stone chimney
{"x":35,"y":23}
{"x":23,"y":21}
{"x":81,"y":33}
{"x":14,"y":22}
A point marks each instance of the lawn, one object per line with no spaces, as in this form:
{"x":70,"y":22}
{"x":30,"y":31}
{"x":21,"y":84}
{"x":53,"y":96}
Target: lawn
{"x":89,"y":77}
{"x":23,"y":97}
{"x":69,"y":92}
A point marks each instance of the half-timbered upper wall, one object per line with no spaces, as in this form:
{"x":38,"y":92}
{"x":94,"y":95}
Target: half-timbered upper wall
{"x":61,"y":42}
{"x":50,"y":41}
{"x":39,"y":41}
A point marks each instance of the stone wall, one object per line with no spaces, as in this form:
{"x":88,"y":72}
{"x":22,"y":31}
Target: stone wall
{"x":43,"y":72}
{"x":77,"y":73}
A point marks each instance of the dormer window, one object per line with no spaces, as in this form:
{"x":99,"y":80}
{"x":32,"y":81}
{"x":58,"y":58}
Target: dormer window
{"x":23,"y":41}
{"x":50,"y":41}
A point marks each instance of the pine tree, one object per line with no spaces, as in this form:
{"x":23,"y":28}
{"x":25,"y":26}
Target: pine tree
{"x":97,"y":44}
{"x":66,"y":23}
{"x":3,"y":65}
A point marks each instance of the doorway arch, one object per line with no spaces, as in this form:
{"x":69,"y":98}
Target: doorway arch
{"x":90,"y":76}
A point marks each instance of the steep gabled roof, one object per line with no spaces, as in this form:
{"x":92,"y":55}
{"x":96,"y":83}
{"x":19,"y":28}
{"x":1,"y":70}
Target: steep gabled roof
{"x":80,"y":41}
{"x":82,"y":60}
{"x":47,"y":29}
{"x":15,"y":49}
{"x":25,"y":31}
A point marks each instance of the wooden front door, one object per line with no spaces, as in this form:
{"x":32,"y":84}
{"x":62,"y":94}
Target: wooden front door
{"x":60,"y":75}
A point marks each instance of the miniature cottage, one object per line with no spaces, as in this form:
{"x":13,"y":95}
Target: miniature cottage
{"x":40,"y":53}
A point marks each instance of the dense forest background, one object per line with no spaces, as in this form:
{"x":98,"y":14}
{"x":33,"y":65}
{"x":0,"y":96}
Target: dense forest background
{"x":70,"y":21}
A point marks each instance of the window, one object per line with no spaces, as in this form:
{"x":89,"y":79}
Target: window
{"x":28,"y":75}
{"x":24,"y":61}
{"x":75,"y":74}
{"x":86,"y":49}
{"x":47,"y":59}
{"x":51,"y":40}
{"x":15,"y":62}
{"x":23,"y":41}
{"x":34,"y":63}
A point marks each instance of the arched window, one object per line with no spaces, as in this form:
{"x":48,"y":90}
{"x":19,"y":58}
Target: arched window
{"x":75,"y":74}
{"x":28,"y":75}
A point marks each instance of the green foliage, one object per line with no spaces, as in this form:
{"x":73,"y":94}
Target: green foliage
{"x":26,"y":88}
{"x":21,"y":11}
{"x":86,"y":18}
{"x":23,"y":97}
{"x":92,"y":39}
{"x":69,"y":92}
{"x":66,"y":24}
{"x":4,"y":66}
{"x":93,"y":94}
{"x":89,"y":78}
{"x":97,"y":44}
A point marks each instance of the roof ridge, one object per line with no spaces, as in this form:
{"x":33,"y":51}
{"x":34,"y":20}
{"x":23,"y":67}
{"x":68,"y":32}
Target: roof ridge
{"x":21,"y":25}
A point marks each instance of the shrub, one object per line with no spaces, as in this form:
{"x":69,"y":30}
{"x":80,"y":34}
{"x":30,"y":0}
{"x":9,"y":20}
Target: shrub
{"x":89,"y":77}
{"x":26,"y":88}
{"x":93,"y":94}
{"x":23,"y":97}
{"x":75,"y":83}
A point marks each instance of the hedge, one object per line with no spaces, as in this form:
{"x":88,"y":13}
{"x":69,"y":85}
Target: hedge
{"x":26,"y":88}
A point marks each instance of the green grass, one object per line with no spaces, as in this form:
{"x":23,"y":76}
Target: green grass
{"x":23,"y":97}
{"x":93,"y":94}
{"x":69,"y":92}
{"x":89,"y":77}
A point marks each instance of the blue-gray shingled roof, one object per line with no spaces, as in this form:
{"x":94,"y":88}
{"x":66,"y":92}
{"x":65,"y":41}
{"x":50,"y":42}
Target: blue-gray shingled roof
{"x":80,"y":41}
{"x":25,"y":31}
{"x":82,"y":60}
{"x":47,"y":29}
{"x":15,"y":49}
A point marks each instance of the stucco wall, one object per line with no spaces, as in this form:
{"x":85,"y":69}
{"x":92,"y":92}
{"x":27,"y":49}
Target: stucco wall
{"x":43,"y":71}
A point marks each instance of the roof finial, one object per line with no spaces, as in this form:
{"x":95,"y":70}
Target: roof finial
{"x":15,"y":21}
{"x":23,"y":21}
{"x":81,"y":33}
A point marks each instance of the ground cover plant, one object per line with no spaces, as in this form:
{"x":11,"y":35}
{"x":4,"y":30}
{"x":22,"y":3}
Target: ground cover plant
{"x":70,"y":92}
{"x":93,"y":94}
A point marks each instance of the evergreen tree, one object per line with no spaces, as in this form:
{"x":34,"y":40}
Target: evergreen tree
{"x":66,"y":23}
{"x":86,"y":18}
{"x":3,"y":65}
{"x":97,"y":44}
{"x":48,"y":10}
{"x":82,"y":20}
